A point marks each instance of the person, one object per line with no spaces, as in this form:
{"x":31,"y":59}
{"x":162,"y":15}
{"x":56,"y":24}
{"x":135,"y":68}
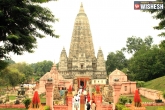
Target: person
{"x":77,"y":97}
{"x":76,"y":104}
{"x":88,"y":105}
{"x":93,"y":106}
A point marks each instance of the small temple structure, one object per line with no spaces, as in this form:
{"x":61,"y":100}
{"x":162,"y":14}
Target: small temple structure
{"x":58,"y":80}
{"x":128,"y":87}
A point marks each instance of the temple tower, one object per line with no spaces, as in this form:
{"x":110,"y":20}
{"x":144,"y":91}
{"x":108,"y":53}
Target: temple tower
{"x":63,"y":60}
{"x":81,"y":42}
{"x":100,"y":61}
{"x":81,"y":60}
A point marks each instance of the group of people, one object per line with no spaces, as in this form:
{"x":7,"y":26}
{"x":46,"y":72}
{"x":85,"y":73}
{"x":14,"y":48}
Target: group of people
{"x":76,"y":101}
{"x":91,"y":106}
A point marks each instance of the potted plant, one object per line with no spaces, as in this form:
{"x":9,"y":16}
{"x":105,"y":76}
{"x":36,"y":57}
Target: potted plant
{"x":130,"y":101}
{"x":158,"y":100}
{"x":164,"y":94}
{"x":27,"y":102}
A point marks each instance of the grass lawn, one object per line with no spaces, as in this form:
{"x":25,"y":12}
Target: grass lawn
{"x":12,"y":97}
{"x":43,"y":100}
{"x":155,"y":107}
{"x":13,"y":109}
{"x":156,"y":84}
{"x":142,"y":98}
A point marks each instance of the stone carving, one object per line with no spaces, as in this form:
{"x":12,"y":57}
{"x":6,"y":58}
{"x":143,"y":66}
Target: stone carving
{"x":75,"y":81}
{"x":89,"y":81}
{"x":108,"y":94}
{"x":56,"y":94}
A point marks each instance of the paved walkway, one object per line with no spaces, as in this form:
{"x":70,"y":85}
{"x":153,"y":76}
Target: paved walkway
{"x":79,"y":103}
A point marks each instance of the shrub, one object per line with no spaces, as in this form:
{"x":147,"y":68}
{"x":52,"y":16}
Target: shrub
{"x":120,"y":106}
{"x":158,"y":100}
{"x":123,"y":100}
{"x":130,"y":101}
{"x":164,"y":94}
{"x":140,"y":83}
{"x":1,"y":101}
{"x":125,"y":108}
{"x":46,"y":107}
{"x":27,"y":102}
{"x":17,"y":102}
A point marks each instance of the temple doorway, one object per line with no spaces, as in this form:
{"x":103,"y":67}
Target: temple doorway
{"x":82,"y":83}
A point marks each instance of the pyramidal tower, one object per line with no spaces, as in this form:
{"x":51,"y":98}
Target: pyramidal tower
{"x":81,"y":42}
{"x":81,"y":60}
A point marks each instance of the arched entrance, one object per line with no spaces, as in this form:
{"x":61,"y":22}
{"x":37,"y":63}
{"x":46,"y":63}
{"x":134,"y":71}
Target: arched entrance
{"x":82,"y":83}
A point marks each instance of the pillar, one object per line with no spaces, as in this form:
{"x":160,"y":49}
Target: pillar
{"x":49,"y":95}
{"x":78,"y":82}
{"x":98,"y":101}
{"x":116,"y":88}
{"x":69,"y":101}
{"x":85,"y":83}
{"x":82,"y":102}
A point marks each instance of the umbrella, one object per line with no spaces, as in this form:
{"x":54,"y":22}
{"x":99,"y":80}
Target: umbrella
{"x":36,"y":99}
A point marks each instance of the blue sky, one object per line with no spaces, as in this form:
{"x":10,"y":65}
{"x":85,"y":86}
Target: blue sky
{"x":111,"y":23}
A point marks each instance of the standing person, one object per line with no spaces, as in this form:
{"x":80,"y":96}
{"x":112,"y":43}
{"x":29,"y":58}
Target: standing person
{"x":93,"y":105}
{"x":76,"y":105}
{"x":88,"y":106}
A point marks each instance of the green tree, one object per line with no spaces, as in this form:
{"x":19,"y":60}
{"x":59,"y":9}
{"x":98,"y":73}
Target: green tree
{"x":11,"y":76}
{"x":3,"y":64}
{"x":25,"y":69}
{"x":21,"y":23}
{"x":133,"y":44}
{"x":115,"y":60}
{"x":148,"y":64}
{"x":42,"y":1}
{"x":40,"y":68}
{"x":159,"y":15}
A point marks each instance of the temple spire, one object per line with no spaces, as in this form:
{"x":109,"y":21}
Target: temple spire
{"x":54,"y":64}
{"x":81,"y":8}
{"x":81,"y":42}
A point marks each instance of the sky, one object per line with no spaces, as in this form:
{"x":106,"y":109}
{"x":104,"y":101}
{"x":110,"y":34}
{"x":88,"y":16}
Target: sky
{"x":111,"y":23}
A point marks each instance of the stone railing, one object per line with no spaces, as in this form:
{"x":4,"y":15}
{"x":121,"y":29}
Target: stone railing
{"x":12,"y":106}
{"x":148,"y":104}
{"x":151,"y":94}
{"x":106,"y":107}
{"x":60,"y":107}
